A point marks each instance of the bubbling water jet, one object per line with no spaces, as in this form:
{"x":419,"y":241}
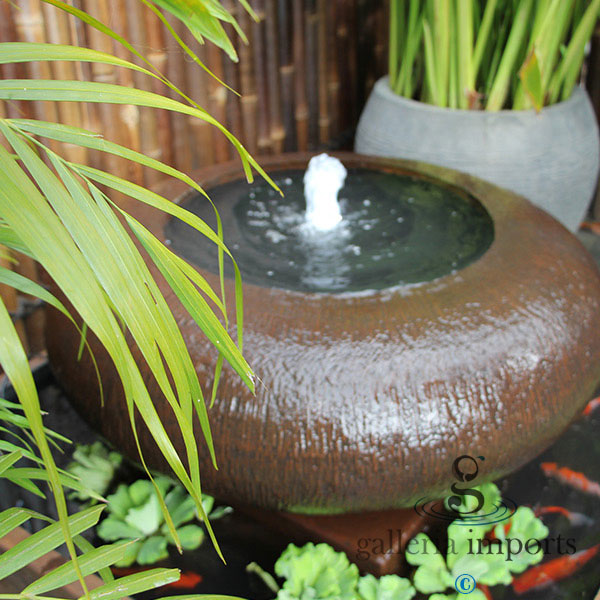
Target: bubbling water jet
{"x":324,"y":178}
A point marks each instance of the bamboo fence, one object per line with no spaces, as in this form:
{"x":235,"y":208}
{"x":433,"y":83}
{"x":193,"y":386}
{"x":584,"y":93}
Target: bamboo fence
{"x":302,"y":78}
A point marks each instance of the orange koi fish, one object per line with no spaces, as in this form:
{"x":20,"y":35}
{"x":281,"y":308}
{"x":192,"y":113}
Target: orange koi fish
{"x":572,"y":478}
{"x":552,"y":571}
{"x":591,"y":406}
{"x":187,"y":581}
{"x":575,"y":518}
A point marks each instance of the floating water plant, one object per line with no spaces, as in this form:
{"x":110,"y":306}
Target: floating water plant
{"x":134,"y":513}
{"x":95,"y":466}
{"x":491,"y":553}
{"x":318,"y":572}
{"x":388,"y":587}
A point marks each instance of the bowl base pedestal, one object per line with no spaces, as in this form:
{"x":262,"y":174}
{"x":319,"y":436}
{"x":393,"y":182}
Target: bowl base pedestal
{"x":374,"y":541}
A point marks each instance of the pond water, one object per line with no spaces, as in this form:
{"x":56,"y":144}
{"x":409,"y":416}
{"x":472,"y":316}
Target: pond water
{"x":395,"y":230}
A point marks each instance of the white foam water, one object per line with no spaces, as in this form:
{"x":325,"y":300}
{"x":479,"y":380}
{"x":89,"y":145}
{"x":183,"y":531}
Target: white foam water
{"x":323,"y":180}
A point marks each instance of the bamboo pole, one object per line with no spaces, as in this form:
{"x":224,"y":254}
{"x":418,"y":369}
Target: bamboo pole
{"x":231,"y":78}
{"x":113,"y":121}
{"x":286,"y":74}
{"x":249,"y":99}
{"x":277,"y":131}
{"x":58,"y":32}
{"x":29,"y":27}
{"x":77,"y":33}
{"x":148,"y":126}
{"x":312,"y":80}
{"x":346,"y":60}
{"x":232,"y":105}
{"x":89,"y":111}
{"x":324,"y":118}
{"x":380,"y":46}
{"x":218,"y":103}
{"x":109,"y":115}
{"x":157,"y":55}
{"x":201,"y":147}
{"x":129,"y":115}
{"x":301,"y":112}
{"x":181,"y":139}
{"x":264,"y":142}
{"x":333,"y":78}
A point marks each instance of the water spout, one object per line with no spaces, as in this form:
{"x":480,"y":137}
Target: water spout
{"x":323,"y":179}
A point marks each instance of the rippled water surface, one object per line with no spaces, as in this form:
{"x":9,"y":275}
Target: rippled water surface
{"x":396,"y":230}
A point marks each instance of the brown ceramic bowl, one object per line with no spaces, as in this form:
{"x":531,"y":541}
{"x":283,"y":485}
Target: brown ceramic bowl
{"x":366,"y":401}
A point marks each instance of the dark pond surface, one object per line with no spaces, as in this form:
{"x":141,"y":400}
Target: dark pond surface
{"x":396,"y":230}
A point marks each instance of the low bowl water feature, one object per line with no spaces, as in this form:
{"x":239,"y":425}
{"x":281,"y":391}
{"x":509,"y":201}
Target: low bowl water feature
{"x":441,"y":316}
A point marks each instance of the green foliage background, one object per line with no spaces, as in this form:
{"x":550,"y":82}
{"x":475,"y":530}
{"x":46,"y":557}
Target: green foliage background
{"x":489,"y":54}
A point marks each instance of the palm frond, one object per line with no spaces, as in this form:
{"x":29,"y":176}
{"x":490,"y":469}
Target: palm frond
{"x":54,"y":212}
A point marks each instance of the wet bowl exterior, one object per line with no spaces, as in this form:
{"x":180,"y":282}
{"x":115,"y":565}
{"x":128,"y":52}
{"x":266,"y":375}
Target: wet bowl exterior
{"x":365,"y":401}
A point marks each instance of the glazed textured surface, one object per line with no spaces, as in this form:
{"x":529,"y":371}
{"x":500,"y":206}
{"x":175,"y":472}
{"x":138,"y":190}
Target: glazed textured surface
{"x":365,"y":401}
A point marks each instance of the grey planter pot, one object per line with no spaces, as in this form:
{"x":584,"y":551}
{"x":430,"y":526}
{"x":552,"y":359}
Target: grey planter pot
{"x":550,"y":158}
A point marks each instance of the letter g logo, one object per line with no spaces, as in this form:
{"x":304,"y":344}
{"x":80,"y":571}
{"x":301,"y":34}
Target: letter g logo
{"x":454,"y":502}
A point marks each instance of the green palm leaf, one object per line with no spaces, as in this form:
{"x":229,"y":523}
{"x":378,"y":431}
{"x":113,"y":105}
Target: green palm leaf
{"x":93,"y":91}
{"x":54,"y":212}
{"x":16,"y":368}
{"x":12,"y":518}
{"x":88,"y":268}
{"x":8,"y":460}
{"x":49,"y":538}
{"x":20,"y":475}
{"x":89,"y":563}
{"x":155,"y":200}
{"x":203,"y":18}
{"x":88,"y":139}
{"x":133,"y":584}
{"x":17,"y":52}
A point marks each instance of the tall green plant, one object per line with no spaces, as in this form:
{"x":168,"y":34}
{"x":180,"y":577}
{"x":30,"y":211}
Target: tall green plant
{"x":489,"y":54}
{"x":58,"y":213}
